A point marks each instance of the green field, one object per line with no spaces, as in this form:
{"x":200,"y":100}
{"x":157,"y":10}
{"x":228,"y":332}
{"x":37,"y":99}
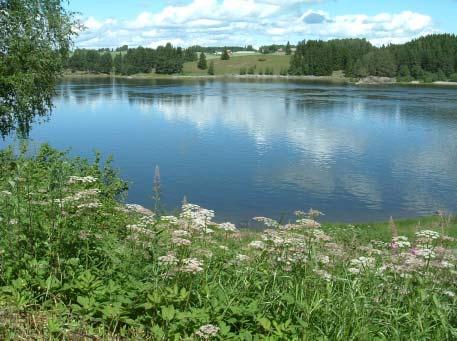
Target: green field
{"x":235,"y":63}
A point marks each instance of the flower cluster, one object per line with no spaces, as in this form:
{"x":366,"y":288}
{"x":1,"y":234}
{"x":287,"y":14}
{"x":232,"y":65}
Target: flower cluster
{"x":192,"y":265}
{"x":207,"y":331}
{"x":81,"y":179}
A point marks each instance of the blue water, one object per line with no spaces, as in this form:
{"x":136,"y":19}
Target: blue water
{"x":248,"y":148}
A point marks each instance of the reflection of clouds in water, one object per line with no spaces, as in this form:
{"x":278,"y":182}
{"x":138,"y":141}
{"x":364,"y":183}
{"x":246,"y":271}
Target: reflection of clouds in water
{"x":266,"y":121}
{"x":331,"y":146}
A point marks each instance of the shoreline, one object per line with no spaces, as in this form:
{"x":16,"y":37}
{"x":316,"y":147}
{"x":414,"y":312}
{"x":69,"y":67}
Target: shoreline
{"x":326,"y":79}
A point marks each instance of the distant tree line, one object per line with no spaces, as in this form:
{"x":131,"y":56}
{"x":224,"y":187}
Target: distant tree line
{"x":266,"y":49}
{"x":128,"y":61}
{"x":429,"y":58}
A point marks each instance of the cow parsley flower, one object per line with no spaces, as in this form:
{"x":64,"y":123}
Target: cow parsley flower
{"x":207,"y":331}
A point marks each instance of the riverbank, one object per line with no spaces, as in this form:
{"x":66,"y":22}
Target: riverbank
{"x":338,"y":78}
{"x":78,"y":264}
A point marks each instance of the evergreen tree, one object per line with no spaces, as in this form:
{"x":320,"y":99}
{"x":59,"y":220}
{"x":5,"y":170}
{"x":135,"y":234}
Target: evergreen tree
{"x":288,"y":49}
{"x":202,"y":64}
{"x":225,"y":55}
{"x":106,"y":63}
{"x":211,"y":69}
{"x":117,"y":63}
{"x":92,"y":60}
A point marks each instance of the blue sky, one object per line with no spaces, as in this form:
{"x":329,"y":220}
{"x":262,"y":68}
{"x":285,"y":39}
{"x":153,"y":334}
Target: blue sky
{"x":110,"y":23}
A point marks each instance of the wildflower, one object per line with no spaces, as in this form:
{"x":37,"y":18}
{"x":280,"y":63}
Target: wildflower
{"x":90,"y":205}
{"x":84,"y":179}
{"x":179,"y":233}
{"x":139,"y":209}
{"x":428,"y":234}
{"x":362,"y":263}
{"x":228,"y":227}
{"x":271,"y":223}
{"x":451,"y":294}
{"x":425,"y":253}
{"x":83,"y":235}
{"x":223,"y":247}
{"x":169,"y":219}
{"x":257,"y":244}
{"x":354,"y":270}
{"x":207,"y":331}
{"x":13,"y":222}
{"x":140,"y":230}
{"x":400,"y":242}
{"x":191,"y":265}
{"x":324,"y":274}
{"x":324,"y":259}
{"x":308,"y":223}
{"x":5,"y":193}
{"x":168,"y":260}
{"x":180,"y":241}
{"x":241,"y":258}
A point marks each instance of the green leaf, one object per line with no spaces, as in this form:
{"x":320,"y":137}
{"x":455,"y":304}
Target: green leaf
{"x":168,"y":312}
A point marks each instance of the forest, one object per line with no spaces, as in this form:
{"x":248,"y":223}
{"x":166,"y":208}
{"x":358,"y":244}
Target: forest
{"x":430,"y":58}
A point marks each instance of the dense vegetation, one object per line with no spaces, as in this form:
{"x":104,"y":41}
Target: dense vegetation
{"x":34,"y":44}
{"x":164,"y":60}
{"x":429,"y":58}
{"x":75,"y":263}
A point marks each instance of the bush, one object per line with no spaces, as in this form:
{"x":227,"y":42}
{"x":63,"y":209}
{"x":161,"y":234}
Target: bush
{"x":251,"y":70}
{"x":243,"y":71}
{"x":453,"y":77}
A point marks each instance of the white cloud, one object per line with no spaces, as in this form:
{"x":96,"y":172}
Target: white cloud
{"x":257,"y":22}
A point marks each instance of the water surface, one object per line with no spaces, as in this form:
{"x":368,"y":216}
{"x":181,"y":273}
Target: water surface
{"x":248,"y":148}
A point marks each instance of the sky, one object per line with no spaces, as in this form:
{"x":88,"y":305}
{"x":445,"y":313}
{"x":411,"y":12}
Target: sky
{"x":149,"y":23}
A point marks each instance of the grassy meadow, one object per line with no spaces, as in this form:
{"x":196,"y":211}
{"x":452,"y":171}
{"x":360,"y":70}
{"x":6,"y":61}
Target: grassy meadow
{"x":76,"y":263}
{"x":237,"y":62}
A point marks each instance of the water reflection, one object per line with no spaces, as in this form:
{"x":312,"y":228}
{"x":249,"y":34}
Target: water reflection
{"x":254,"y":148}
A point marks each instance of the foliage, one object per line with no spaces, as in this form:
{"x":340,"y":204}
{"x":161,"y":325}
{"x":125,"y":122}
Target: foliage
{"x":76,"y":263}
{"x":225,"y":55}
{"x":165,"y":59}
{"x":288,"y":49}
{"x":426,"y":59}
{"x":211,"y":69}
{"x":34,"y":45}
{"x":202,"y":64}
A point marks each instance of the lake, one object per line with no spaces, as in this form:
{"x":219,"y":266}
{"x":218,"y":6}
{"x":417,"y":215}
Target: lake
{"x":258,"y":148}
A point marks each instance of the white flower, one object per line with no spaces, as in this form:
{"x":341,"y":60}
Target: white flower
{"x":324,"y":259}
{"x":192,"y":265}
{"x":400,"y":242}
{"x":267,"y":221}
{"x":228,"y":227}
{"x":207,"y":331}
{"x":451,"y":294}
{"x":83,"y":179}
{"x":169,"y":259}
{"x":5,"y":193}
{"x":241,"y":258}
{"x":361,"y":264}
{"x":324,"y":274}
{"x":354,"y":270}
{"x":427,"y":234}
{"x":425,"y":253}
{"x":169,"y":219}
{"x":257,"y":244}
{"x":180,"y":241}
{"x":180,"y":233}
{"x":308,"y":223}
